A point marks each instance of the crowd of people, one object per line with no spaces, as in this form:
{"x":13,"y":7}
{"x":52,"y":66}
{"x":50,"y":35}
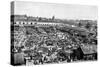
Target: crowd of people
{"x":52,"y":44}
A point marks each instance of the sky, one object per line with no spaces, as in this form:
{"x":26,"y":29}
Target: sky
{"x":61,"y":11}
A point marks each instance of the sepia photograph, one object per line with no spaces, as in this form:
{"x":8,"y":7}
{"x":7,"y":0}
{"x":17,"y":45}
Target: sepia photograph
{"x":49,"y":33}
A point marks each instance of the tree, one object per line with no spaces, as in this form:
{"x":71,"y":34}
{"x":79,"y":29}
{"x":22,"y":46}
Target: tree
{"x":40,"y":19}
{"x":79,"y":24}
{"x":53,"y":17}
{"x":88,"y":26}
